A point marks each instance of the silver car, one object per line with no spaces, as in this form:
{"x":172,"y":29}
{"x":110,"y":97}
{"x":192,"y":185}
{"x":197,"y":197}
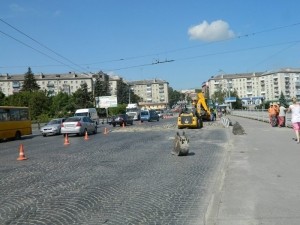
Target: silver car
{"x":78,"y":125}
{"x":52,"y":127}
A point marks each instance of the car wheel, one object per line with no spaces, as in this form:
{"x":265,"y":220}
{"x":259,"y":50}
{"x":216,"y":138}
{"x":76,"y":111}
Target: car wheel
{"x":44,"y":135}
{"x":95,"y":131}
{"x":18,"y":135}
{"x":114,"y":125}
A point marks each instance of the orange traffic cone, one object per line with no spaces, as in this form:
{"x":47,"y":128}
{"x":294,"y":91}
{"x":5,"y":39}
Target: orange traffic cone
{"x":66,"y":140}
{"x":21,"y":154}
{"x":105,"y":130}
{"x":123,"y":125}
{"x":86,"y":137}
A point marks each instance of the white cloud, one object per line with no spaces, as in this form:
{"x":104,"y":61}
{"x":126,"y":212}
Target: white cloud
{"x":216,"y":31}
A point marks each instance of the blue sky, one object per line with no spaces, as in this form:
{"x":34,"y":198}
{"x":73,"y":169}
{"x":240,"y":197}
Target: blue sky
{"x":182,"y":42}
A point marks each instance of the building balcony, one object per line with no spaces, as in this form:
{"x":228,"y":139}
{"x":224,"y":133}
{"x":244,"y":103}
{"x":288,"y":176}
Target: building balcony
{"x":50,"y":85}
{"x":16,"y":85}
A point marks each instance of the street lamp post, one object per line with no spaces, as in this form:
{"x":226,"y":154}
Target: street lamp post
{"x":129,"y":95}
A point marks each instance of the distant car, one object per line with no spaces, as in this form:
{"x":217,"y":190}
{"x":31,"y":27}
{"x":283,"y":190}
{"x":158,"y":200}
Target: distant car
{"x":53,"y":127}
{"x":78,"y":125}
{"x":122,"y":119}
{"x":110,"y":119}
{"x":149,"y":115}
{"x":160,"y":113}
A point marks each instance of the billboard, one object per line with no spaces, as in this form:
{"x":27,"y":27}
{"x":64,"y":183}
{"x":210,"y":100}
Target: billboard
{"x":106,"y":101}
{"x":230,"y":99}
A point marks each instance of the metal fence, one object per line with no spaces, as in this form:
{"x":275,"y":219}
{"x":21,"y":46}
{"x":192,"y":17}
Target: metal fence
{"x":260,"y":115}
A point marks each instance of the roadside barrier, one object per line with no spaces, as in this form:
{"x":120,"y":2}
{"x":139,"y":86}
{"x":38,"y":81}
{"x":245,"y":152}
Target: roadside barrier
{"x":86,"y":137}
{"x":21,"y":153}
{"x":66,"y":140}
{"x":225,"y":121}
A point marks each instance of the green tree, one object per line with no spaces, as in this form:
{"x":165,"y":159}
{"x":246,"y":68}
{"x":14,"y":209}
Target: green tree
{"x":2,"y":98}
{"x":39,"y":104}
{"x":219,"y":97}
{"x":282,"y":100}
{"x":82,"y":98}
{"x":102,"y":86}
{"x":30,"y":83}
{"x":122,"y":92}
{"x":61,"y":105}
{"x":18,"y":99}
{"x":174,"y":96}
{"x":238,"y":104}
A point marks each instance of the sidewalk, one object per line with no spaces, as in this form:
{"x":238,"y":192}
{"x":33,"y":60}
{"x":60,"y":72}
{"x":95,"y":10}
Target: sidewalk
{"x":261,"y":182}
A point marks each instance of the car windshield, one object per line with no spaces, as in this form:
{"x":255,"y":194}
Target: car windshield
{"x":81,"y":114}
{"x":144,"y":113}
{"x":73,"y":119}
{"x":54,"y":122}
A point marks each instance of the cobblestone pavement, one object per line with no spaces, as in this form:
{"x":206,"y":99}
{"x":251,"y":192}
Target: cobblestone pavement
{"x":127,"y":176}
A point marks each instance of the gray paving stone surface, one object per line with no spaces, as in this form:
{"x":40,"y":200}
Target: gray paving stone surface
{"x":127,"y":176}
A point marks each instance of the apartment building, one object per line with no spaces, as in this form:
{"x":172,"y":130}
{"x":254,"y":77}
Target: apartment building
{"x":55,"y":83}
{"x":154,"y":93}
{"x":258,"y":86}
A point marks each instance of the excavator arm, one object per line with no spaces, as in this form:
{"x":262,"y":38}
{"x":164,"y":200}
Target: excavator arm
{"x":201,"y":105}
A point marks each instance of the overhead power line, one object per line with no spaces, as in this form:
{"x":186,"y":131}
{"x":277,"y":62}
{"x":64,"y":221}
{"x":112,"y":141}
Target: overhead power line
{"x":36,"y":50}
{"x":44,"y":46}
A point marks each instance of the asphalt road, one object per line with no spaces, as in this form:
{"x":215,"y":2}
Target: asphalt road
{"x":127,"y":176}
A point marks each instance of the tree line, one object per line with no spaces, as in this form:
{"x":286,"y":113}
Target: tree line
{"x":44,"y":105}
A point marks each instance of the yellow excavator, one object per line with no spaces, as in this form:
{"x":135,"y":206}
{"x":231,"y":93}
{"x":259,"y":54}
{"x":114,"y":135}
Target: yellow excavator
{"x":192,"y":117}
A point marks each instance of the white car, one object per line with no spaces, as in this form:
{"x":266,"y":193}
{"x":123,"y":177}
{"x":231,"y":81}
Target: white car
{"x":52,"y":127}
{"x":78,"y":125}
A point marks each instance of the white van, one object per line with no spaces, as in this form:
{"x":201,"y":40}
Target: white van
{"x":90,"y":112}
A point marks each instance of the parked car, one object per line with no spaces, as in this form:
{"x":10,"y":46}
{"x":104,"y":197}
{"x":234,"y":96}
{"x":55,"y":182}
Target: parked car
{"x":78,"y":125}
{"x":121,"y":119}
{"x":160,"y":113}
{"x":110,"y":119}
{"x":149,"y":115}
{"x":53,"y":127}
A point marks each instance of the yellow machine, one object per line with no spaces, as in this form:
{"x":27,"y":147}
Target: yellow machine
{"x":202,"y":107}
{"x":192,"y":117}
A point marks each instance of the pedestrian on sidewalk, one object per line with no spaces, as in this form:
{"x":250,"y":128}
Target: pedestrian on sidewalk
{"x":272,"y":115}
{"x":281,"y":115}
{"x":294,"y":108}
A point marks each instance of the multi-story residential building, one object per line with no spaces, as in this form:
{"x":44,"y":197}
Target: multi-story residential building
{"x":154,"y":93}
{"x":55,"y":83}
{"x":252,"y":87}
